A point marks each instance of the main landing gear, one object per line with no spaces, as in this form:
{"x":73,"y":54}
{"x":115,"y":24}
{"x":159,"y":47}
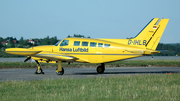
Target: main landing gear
{"x":59,"y":70}
{"x":100,"y":69}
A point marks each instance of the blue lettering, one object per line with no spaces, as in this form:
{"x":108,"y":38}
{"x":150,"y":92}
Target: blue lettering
{"x":80,"y":50}
{"x":129,"y":42}
{"x":137,"y":42}
{"x":74,"y":49}
{"x":144,"y":42}
{"x":65,"y":49}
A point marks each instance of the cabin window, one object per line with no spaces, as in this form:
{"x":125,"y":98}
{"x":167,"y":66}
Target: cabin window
{"x":93,"y":44}
{"x":85,"y":43}
{"x":106,"y":45}
{"x":64,"y":43}
{"x":76,"y":43}
{"x":100,"y":44}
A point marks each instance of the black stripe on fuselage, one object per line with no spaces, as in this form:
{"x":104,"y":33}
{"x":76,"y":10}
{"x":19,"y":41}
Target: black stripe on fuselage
{"x":96,"y":54}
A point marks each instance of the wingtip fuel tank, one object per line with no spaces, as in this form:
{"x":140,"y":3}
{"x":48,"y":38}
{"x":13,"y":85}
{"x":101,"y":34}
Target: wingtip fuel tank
{"x":22,"y":51}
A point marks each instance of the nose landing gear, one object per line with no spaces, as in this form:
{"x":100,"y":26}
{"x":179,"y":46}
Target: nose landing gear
{"x":39,"y":69}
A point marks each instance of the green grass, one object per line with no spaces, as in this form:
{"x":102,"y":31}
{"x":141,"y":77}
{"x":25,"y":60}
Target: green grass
{"x":158,"y":87}
{"x":126,"y":63}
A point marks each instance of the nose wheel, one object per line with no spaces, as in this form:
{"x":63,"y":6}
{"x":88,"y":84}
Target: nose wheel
{"x":39,"y":69}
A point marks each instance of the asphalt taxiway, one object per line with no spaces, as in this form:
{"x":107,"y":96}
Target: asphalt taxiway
{"x":28,"y":74}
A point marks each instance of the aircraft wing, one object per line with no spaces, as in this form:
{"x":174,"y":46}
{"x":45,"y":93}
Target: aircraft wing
{"x":38,"y":54}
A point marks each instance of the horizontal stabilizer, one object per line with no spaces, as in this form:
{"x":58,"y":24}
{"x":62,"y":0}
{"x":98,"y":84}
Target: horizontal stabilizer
{"x":167,"y":51}
{"x":144,"y":52}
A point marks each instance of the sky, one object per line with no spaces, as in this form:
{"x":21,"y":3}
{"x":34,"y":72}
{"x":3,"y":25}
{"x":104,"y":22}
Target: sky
{"x":119,"y":19}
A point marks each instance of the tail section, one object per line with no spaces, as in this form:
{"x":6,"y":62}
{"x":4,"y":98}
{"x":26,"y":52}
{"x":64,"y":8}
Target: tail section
{"x":148,"y":37}
{"x":155,"y":38}
{"x":151,"y":33}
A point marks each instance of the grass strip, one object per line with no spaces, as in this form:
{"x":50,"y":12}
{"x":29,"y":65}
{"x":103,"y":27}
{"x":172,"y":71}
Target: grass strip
{"x":157,"y":87}
{"x":126,"y":63}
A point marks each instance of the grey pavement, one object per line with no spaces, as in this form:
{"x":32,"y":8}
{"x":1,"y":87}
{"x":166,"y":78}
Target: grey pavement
{"x":28,"y":74}
{"x":138,"y":58}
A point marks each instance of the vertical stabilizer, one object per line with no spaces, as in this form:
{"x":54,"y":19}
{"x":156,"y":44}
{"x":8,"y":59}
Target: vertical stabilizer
{"x":151,"y":33}
{"x":155,"y":38}
{"x":148,"y":37}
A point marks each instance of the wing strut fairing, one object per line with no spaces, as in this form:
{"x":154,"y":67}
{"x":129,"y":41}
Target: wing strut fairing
{"x":55,"y":56}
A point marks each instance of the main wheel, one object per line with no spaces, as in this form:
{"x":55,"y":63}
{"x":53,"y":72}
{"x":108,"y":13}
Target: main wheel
{"x":61,"y":72}
{"x":100,"y":69}
{"x":39,"y":71}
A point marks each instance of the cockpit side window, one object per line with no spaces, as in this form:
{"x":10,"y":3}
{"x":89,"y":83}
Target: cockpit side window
{"x":64,"y":43}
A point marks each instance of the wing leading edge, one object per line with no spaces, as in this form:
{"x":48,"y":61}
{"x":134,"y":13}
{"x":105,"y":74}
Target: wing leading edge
{"x":52,"y":56}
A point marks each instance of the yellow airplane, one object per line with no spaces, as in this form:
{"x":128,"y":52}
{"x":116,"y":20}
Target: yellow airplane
{"x":96,"y":50}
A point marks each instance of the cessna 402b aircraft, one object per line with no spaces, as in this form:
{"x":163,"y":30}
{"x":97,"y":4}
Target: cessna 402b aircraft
{"x":96,"y":50}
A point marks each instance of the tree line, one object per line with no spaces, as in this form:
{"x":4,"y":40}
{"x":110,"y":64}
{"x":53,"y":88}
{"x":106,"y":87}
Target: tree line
{"x":11,"y":42}
{"x":174,"y":49}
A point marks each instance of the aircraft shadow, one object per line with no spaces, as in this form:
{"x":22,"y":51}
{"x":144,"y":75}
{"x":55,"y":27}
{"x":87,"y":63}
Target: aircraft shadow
{"x":157,"y":72}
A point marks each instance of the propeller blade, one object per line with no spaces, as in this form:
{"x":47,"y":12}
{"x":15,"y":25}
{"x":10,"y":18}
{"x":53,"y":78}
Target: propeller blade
{"x":27,"y":59}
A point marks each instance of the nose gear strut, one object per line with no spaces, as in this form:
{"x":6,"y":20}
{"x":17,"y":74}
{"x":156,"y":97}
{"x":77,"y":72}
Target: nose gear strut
{"x":39,"y":69}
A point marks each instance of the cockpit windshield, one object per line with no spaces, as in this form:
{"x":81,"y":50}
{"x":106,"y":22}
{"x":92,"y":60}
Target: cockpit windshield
{"x":57,"y":43}
{"x":64,"y":43}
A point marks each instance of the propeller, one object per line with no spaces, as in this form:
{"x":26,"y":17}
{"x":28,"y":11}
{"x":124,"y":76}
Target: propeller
{"x":27,"y":59}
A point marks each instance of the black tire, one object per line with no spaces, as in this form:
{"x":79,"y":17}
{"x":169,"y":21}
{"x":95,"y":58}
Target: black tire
{"x":39,"y":71}
{"x":60,"y":73}
{"x":100,"y":69}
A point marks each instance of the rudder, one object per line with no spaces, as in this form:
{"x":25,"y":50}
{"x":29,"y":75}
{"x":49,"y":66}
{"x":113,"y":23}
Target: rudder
{"x":152,"y":33}
{"x":155,"y":38}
